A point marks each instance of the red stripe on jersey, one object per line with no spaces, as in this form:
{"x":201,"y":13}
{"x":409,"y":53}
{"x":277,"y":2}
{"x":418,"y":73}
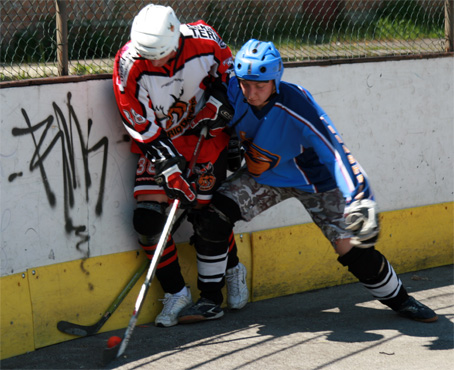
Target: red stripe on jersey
{"x":151,"y":99}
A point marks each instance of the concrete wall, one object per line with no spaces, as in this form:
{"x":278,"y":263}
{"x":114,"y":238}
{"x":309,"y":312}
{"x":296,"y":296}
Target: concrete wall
{"x":66,"y":177}
{"x":397,"y":118}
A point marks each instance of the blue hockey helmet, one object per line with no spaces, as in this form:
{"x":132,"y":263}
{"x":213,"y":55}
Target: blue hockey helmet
{"x":259,"y":61}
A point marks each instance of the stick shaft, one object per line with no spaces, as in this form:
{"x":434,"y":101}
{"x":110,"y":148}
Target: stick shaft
{"x":149,"y":277}
{"x":85,"y":330}
{"x":158,"y":252}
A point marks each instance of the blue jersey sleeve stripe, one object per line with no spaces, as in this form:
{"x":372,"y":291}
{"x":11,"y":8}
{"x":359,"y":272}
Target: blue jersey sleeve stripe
{"x":349,"y":183}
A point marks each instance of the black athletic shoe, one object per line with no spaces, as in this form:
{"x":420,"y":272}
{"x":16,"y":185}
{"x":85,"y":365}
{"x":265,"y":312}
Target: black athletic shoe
{"x":202,"y":310}
{"x":415,"y":310}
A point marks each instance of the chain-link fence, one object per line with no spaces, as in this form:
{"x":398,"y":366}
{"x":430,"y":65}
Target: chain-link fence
{"x":41,"y":38}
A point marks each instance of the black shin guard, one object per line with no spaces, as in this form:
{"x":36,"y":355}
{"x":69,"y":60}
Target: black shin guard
{"x":374,"y":271}
{"x":364,"y":263}
{"x":170,"y":278}
{"x":212,"y":240}
{"x":211,"y":265}
{"x":149,"y":220}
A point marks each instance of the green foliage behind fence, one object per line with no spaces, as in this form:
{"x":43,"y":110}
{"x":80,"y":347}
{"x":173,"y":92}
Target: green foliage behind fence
{"x":302,"y":30}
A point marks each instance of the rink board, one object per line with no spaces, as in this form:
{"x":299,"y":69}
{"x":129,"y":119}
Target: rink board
{"x":279,"y":262}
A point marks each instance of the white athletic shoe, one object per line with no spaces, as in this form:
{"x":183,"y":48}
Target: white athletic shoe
{"x":237,"y":291}
{"x":173,"y":304}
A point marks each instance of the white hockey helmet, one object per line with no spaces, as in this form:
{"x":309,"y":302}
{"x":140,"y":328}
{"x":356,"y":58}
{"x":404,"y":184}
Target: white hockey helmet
{"x":155,"y":32}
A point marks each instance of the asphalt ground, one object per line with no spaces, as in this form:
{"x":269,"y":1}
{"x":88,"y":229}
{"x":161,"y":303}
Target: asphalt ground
{"x":333,"y":328}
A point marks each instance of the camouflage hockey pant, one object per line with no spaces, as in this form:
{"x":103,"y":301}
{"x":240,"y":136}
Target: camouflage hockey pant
{"x":326,"y":209}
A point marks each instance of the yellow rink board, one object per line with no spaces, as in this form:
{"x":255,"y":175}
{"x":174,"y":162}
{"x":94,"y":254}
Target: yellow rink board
{"x":293,"y":259}
{"x":298,"y":258}
{"x":279,"y":261}
{"x":16,"y":316}
{"x":80,"y":292}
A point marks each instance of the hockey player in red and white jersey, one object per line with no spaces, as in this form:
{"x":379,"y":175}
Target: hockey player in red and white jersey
{"x":169,"y":80}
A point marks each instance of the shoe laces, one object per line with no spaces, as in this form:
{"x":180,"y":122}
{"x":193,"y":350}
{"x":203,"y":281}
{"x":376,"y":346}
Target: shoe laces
{"x":234,"y":280}
{"x":169,"y":301}
{"x":413,"y":305}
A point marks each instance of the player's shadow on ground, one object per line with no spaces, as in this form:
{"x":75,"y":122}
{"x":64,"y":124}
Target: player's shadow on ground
{"x":346,"y":323}
{"x":342,"y":314}
{"x":349,"y":318}
{"x":338,"y":314}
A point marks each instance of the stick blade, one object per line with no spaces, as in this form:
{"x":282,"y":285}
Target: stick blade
{"x":74,"y":329}
{"x":110,"y":354}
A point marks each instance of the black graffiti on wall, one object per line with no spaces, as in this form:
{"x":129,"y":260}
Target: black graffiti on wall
{"x":69,"y":139}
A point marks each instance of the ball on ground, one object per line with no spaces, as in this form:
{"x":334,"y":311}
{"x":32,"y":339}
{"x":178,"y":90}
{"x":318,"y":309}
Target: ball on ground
{"x":113,"y":341}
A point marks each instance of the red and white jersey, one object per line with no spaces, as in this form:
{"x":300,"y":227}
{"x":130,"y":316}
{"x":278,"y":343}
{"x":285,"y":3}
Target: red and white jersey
{"x":152,"y":99}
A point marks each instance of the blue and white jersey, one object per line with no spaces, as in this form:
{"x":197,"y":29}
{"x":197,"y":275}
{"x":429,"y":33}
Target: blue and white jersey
{"x":292,"y":142}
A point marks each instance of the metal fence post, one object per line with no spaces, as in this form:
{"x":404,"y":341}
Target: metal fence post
{"x":62,"y":37}
{"x":449,"y":25}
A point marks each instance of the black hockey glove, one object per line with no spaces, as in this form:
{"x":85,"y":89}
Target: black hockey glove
{"x":216,"y":113}
{"x":361,"y":217}
{"x":235,"y":154}
{"x":160,"y":149}
{"x":169,"y":176}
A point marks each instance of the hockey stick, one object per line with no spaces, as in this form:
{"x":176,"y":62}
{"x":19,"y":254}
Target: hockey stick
{"x":86,"y":330}
{"x":110,"y":354}
{"x":83,"y":330}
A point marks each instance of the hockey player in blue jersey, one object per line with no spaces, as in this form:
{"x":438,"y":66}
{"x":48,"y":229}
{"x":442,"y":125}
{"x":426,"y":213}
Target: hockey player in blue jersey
{"x":293,"y":150}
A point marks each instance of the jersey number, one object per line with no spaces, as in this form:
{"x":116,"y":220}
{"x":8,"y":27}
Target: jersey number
{"x":145,"y":165}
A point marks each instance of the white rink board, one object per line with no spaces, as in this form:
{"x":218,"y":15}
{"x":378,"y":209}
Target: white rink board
{"x":48,"y":210}
{"x":396,"y":117}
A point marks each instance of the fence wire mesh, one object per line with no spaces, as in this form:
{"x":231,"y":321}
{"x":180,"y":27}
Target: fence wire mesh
{"x":301,"y":30}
